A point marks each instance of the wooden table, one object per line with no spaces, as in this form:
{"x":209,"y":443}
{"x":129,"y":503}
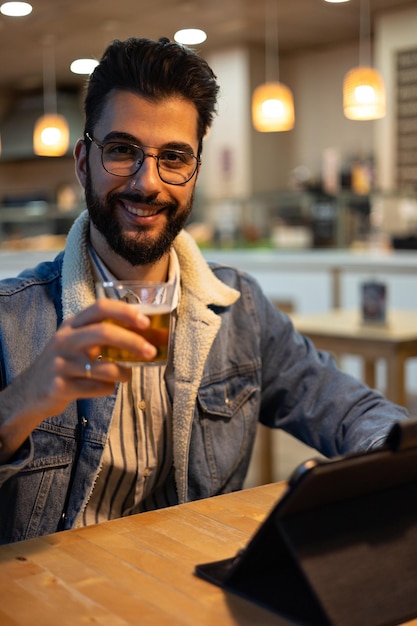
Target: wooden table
{"x":342,"y":332}
{"x":136,"y":570}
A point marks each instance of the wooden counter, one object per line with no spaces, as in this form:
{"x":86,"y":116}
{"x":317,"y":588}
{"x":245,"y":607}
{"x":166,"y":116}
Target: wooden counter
{"x":271,"y":266}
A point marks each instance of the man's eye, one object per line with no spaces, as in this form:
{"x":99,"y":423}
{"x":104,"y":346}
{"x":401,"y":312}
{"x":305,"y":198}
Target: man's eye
{"x":173,"y":158}
{"x":120,"y":151}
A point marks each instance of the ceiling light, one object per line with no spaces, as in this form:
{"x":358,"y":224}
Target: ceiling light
{"x":363,"y":94}
{"x":190,"y":36}
{"x":51,"y":135}
{"x":272,"y":108}
{"x":16,"y":9}
{"x":336,"y":1}
{"x":272,"y":102}
{"x":363,"y":86}
{"x":83,"y":66}
{"x":51,"y":132}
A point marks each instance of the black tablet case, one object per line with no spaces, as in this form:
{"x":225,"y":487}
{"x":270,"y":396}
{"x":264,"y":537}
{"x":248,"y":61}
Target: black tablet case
{"x":340,"y":547}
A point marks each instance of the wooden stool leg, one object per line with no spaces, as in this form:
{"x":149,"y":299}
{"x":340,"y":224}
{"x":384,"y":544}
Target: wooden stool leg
{"x":266,"y":452}
{"x":395,"y":387}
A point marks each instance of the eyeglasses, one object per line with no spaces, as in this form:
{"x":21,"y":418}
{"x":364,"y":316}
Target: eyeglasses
{"x":175,"y":167}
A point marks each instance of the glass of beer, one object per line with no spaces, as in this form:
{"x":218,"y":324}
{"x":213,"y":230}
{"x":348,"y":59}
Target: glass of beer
{"x":156,"y":300}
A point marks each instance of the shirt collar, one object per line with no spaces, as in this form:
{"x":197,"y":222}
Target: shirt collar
{"x":102,"y":273}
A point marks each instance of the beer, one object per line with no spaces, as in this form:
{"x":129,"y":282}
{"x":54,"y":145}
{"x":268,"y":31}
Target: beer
{"x":157,"y":334}
{"x":154,"y":299}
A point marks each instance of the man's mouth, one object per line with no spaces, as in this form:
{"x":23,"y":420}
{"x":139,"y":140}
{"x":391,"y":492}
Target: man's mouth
{"x":148,"y":212}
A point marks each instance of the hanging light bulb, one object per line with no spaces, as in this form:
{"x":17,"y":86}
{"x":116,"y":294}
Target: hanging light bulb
{"x":363,"y":86}
{"x":51,"y":132}
{"x":51,"y":135}
{"x":272,"y":107}
{"x":272,"y":102}
{"x":363,"y":94}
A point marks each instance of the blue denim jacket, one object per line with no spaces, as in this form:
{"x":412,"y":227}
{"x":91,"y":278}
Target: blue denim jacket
{"x":234,"y":364}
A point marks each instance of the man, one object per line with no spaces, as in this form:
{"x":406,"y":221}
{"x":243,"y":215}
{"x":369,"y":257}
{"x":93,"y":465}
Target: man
{"x":83,"y":439}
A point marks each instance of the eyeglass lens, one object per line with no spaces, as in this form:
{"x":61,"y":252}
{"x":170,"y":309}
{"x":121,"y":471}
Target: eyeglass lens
{"x":174,"y":166}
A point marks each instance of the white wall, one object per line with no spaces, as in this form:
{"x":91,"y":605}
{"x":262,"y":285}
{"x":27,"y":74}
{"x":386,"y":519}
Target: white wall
{"x":265,"y":161}
{"x":317,"y":82}
{"x":226,"y":154}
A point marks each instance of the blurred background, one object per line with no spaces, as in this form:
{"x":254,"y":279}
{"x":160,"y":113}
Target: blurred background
{"x":327,"y":182}
{"x":311,"y":207}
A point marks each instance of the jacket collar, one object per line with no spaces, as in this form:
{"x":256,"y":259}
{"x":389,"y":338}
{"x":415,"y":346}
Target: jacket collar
{"x":78,"y":283}
{"x":197,"y":275}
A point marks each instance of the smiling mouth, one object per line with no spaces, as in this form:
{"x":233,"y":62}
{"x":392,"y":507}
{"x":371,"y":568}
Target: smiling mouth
{"x":149,"y":212}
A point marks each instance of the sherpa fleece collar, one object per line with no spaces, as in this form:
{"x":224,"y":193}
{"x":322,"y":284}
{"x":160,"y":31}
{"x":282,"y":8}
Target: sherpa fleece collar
{"x":78,"y":284}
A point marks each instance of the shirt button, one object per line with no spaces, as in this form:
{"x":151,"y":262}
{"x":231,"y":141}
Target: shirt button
{"x":142,"y":405}
{"x":147,"y":472}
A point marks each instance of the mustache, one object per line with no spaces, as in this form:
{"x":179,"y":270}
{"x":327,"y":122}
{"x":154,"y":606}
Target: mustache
{"x":140,"y":198}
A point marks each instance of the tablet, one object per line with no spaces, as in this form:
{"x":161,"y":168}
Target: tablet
{"x":333,"y":548}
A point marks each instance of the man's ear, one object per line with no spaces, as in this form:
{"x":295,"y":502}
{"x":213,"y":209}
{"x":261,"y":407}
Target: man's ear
{"x":198,"y":171}
{"x":80,"y":156}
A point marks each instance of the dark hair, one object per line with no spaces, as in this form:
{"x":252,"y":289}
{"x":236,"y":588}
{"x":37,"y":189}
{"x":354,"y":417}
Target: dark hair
{"x":154,"y":70}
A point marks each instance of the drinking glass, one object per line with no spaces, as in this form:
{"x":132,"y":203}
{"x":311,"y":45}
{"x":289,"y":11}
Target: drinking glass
{"x":154,"y":299}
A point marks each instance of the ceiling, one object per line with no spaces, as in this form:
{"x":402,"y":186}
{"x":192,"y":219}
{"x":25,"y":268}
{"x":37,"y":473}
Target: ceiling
{"x":83,"y":28}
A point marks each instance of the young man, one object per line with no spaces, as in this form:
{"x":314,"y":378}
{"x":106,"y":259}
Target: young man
{"x":84,"y":440}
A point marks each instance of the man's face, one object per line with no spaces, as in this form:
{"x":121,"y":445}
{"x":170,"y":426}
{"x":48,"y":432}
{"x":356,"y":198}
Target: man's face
{"x":139,"y":216}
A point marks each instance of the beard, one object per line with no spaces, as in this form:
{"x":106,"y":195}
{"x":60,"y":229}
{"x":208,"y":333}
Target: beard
{"x":141,"y":248}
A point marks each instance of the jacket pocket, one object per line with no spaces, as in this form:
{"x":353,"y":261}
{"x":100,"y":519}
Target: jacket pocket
{"x":228,"y":392}
{"x":228,"y":410}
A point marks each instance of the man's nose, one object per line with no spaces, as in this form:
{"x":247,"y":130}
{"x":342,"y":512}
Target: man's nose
{"x":147,"y":176}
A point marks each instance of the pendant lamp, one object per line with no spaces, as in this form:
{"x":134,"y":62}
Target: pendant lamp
{"x":363,"y":86}
{"x":272,"y":102}
{"x":51,"y":132}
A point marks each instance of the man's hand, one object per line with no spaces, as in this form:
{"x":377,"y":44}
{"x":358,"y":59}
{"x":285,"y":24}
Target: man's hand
{"x":69,"y":368}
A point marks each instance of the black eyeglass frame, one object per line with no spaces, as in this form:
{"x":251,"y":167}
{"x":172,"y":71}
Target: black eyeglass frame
{"x":101,"y":147}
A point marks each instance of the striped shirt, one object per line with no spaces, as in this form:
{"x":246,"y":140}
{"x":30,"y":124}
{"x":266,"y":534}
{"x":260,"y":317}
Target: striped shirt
{"x":136,"y":473}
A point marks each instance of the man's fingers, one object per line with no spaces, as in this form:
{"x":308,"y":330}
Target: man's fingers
{"x":104,"y":309}
{"x":88,"y":340}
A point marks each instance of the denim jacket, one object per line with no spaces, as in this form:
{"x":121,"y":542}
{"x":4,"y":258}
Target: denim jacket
{"x":237,"y":360}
